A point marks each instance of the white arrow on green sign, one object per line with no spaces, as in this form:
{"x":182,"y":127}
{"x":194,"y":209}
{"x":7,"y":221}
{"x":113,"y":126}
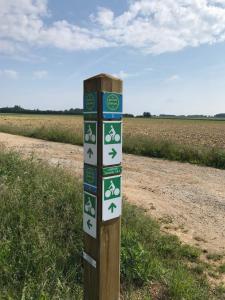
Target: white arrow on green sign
{"x":112,"y":143}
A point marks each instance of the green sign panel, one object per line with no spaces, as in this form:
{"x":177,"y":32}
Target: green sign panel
{"x":90,"y":102}
{"x":90,"y":178}
{"x":112,"y":102}
{"x":112,"y":133}
{"x":90,"y":132}
{"x":90,"y":214}
{"x":112,"y":143}
{"x":90,"y":175}
{"x":107,"y":171}
{"x":90,"y":205}
{"x":112,"y":187}
{"x":111,"y":197}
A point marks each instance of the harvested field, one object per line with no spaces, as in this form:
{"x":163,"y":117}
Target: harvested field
{"x":208,"y":133}
{"x":196,"y":141}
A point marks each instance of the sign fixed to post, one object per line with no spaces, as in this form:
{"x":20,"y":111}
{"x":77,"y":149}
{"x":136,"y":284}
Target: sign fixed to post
{"x":112,"y":105}
{"x":90,"y":179}
{"x":90,"y":214}
{"x":112,"y":143}
{"x":90,"y":105}
{"x":102,"y":204}
{"x":90,"y":142}
{"x":111,"y":197}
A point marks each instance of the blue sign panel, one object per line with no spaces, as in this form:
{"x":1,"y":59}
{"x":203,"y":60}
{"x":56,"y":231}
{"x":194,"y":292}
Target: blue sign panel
{"x":90,"y":179}
{"x":112,"y":105}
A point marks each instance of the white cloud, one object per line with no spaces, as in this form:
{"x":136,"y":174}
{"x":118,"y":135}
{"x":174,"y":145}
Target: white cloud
{"x":22,"y":26}
{"x":105,"y":17}
{"x":152,"y":26}
{"x":122,"y":75}
{"x":159,"y":26}
{"x":40,"y":74}
{"x":174,"y":77}
{"x":10,"y":74}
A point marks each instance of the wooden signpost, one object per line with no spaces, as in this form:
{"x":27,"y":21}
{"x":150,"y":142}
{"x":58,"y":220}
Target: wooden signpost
{"x":102,"y":187}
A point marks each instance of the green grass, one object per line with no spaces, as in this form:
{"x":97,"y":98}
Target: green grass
{"x":41,"y":242}
{"x":210,"y":157}
{"x":221,"y":268}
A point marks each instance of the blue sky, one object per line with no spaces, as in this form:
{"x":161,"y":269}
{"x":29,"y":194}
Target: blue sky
{"x":170,"y":54}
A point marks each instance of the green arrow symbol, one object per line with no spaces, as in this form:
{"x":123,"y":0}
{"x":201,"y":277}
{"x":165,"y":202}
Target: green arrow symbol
{"x":89,"y":224}
{"x":90,"y":152}
{"x":112,"y":206}
{"x":113,"y":153}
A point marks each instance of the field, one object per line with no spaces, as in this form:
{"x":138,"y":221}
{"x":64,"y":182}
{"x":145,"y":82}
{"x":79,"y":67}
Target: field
{"x":195,"y":141}
{"x":41,"y":243}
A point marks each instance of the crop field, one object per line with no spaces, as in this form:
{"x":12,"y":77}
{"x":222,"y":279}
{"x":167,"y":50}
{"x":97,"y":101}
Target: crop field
{"x":41,"y":243}
{"x":195,"y":141}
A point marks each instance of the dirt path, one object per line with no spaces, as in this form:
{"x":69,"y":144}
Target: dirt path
{"x":189,"y":200}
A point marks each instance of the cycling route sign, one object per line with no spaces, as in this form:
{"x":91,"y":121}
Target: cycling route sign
{"x":90,"y":142}
{"x":112,"y":143}
{"x":90,"y":179}
{"x":112,"y":105}
{"x":90,"y":214}
{"x":111,"y":197}
{"x":90,"y":105}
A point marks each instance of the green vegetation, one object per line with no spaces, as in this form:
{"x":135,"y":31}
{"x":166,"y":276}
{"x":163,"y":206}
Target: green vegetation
{"x":221,"y":268}
{"x":214,"y":256}
{"x":210,"y":157}
{"x":41,"y":242}
{"x":48,"y":133}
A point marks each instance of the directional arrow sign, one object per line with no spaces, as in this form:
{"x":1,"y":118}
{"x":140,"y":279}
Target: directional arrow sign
{"x":111,"y":197}
{"x":90,"y":152}
{"x":112,"y":143}
{"x":113,"y":153}
{"x":90,"y":142}
{"x":111,"y":207}
{"x":90,"y":214}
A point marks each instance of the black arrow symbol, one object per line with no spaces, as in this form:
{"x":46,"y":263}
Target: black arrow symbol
{"x":89,"y":224}
{"x":90,"y":152}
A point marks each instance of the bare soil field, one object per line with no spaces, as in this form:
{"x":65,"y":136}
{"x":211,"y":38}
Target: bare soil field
{"x":188,"y":200}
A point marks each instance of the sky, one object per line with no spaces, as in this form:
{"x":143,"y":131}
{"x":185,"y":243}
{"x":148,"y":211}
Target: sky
{"x":169,"y":54}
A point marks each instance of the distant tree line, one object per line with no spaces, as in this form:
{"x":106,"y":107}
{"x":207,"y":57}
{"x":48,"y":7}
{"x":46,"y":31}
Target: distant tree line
{"x":78,"y":111}
{"x":19,"y":110}
{"x":220,"y":115}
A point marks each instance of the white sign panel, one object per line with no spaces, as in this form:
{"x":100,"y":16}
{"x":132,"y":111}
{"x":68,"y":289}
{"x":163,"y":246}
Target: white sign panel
{"x":112,"y":143}
{"x":111,"y":197}
{"x":90,"y":142}
{"x":90,"y":214}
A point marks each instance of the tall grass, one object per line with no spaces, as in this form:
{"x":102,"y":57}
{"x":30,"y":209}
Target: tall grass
{"x":139,"y":145}
{"x":41,"y":242}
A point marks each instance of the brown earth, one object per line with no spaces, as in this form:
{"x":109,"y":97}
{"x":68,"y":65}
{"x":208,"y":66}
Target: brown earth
{"x":189,"y":200}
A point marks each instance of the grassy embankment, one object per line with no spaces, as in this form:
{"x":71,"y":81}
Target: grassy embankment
{"x":195,"y":141}
{"x":41,"y":242}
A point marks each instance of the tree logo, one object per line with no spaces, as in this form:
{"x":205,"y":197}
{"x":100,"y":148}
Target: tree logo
{"x":113,"y":102}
